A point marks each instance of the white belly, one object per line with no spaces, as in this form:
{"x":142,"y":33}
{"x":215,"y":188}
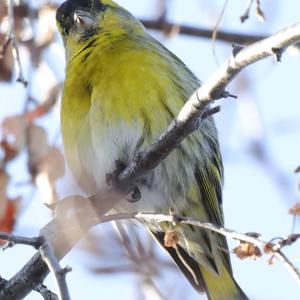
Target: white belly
{"x":110,"y":143}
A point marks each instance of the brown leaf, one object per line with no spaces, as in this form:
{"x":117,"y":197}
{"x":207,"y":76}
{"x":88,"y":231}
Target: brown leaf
{"x":8,"y":208}
{"x":36,"y":113}
{"x":43,"y":157}
{"x":247,"y":250}
{"x":46,"y":163}
{"x":37,"y":143}
{"x":295,"y":210}
{"x":3,"y":10}
{"x":49,"y":168}
{"x":269,"y":248}
{"x":6,"y":59}
{"x":171,"y":238}
{"x":53,"y":164}
{"x":48,"y":103}
{"x":14,"y":130}
{"x":9,"y":152}
{"x":4,"y":178}
{"x":8,"y":219}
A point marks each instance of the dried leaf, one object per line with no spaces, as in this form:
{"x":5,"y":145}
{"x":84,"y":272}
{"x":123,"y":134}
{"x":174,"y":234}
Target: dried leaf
{"x":8,"y":150}
{"x":297,"y":170}
{"x":8,"y":219}
{"x":269,"y":248}
{"x":259,"y":12}
{"x":49,"y":168}
{"x":6,"y":59}
{"x":43,"y":157}
{"x":4,"y":178}
{"x":3,"y":10}
{"x":36,"y":113}
{"x":47,"y":104}
{"x":295,"y":210}
{"x":171,"y":238}
{"x":14,"y":130}
{"x":53,"y":164}
{"x":46,"y":163}
{"x":37,"y":143}
{"x":247,"y":250}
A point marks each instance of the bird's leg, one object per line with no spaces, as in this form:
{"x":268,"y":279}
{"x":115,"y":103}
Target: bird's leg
{"x":111,"y":179}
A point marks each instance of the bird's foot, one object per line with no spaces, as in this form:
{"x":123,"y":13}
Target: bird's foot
{"x":112,"y":179}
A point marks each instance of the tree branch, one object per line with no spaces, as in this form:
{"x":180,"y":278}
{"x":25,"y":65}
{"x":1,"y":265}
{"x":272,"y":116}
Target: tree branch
{"x":48,"y":257}
{"x":224,"y":36}
{"x":14,"y":240}
{"x":59,"y":273}
{"x":67,"y":228}
{"x":46,"y":294}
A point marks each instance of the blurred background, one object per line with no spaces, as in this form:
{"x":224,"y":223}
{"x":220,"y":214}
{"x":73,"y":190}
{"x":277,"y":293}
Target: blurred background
{"x":259,"y":135}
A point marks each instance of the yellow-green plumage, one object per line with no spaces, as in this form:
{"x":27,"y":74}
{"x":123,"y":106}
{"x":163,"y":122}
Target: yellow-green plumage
{"x":122,"y":89}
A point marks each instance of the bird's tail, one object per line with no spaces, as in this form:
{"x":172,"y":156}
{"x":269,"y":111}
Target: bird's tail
{"x":221,"y":286}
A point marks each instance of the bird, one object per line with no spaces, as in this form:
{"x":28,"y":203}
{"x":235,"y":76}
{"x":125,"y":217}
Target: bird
{"x":121,"y":90}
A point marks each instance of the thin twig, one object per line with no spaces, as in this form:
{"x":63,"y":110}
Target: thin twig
{"x":273,"y":249}
{"x":245,"y":15}
{"x":138,"y":257}
{"x":215,"y":32}
{"x":14,"y":240}
{"x":126,"y":241}
{"x":12,"y":39}
{"x":54,"y":267}
{"x":288,"y":265}
{"x":150,"y":290}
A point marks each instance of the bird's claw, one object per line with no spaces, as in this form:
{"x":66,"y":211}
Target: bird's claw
{"x":112,"y":179}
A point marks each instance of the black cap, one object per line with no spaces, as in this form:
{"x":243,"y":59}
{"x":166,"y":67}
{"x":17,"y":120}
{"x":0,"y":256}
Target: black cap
{"x":65,"y":12}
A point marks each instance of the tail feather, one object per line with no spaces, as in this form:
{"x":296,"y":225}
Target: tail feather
{"x":220,"y":286}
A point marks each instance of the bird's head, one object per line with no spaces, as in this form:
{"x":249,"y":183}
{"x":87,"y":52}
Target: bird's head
{"x":81,"y":19}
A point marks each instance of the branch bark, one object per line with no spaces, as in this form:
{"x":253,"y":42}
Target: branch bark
{"x":66,"y":229}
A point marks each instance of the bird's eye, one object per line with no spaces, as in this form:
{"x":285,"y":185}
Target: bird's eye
{"x":84,"y":20}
